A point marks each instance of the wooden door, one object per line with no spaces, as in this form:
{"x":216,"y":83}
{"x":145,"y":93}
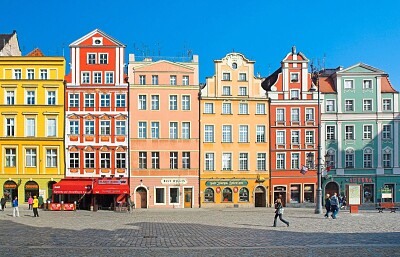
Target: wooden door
{"x":188,"y":198}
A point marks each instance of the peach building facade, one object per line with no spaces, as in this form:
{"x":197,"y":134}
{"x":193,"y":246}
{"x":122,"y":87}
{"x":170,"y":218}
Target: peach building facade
{"x":234,"y":137}
{"x":164,"y":132}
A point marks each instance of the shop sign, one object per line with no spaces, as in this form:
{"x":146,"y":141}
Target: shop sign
{"x":111,"y":182}
{"x":227,"y":183}
{"x":173,"y":181}
{"x":280,"y":189}
{"x":31,"y":186}
{"x":360,"y":180}
{"x":10,"y":185}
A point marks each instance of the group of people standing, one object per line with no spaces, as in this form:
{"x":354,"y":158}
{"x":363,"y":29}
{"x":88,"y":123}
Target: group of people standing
{"x":333,"y":204}
{"x":33,"y":204}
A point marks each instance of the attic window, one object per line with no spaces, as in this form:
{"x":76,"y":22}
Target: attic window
{"x":97,"y":41}
{"x":294,"y":77}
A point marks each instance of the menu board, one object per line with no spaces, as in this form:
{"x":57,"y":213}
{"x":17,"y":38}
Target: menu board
{"x":354,"y":194}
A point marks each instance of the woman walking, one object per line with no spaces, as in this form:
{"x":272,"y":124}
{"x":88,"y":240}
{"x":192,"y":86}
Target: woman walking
{"x":279,"y":212}
{"x":327,"y":205}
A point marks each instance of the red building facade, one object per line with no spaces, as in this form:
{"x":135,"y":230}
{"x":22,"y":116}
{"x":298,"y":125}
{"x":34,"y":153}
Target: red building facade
{"x":96,"y":134}
{"x":293,"y":131}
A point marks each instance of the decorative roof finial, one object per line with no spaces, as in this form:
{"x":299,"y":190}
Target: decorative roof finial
{"x":293,"y":49}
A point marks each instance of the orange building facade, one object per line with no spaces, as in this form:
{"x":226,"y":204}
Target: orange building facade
{"x":164,"y":132}
{"x":293,"y":131}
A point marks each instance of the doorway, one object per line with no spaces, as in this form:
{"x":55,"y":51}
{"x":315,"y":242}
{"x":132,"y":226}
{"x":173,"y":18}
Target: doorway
{"x":260,"y":197}
{"x":188,"y":198}
{"x":331,"y":188}
{"x":141,"y":197}
{"x":280,"y":192}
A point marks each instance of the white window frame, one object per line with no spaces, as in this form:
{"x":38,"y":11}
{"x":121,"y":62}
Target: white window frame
{"x":51,"y":158}
{"x":85,"y":77}
{"x":294,"y":77}
{"x":155,"y":102}
{"x":260,"y":108}
{"x":185,"y":102}
{"x":349,"y":85}
{"x":51,"y":127}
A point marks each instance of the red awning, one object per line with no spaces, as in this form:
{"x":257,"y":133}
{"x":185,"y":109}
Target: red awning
{"x":72,"y":186}
{"x":110,"y":189}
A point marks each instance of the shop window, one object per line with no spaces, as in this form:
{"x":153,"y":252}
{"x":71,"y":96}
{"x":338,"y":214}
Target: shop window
{"x":160,"y":195}
{"x":31,"y":189}
{"x":309,"y":193}
{"x":295,"y":193}
{"x":244,"y":194}
{"x":368,"y":192}
{"x":209,"y":195}
{"x":174,"y":195}
{"x":227,"y":194}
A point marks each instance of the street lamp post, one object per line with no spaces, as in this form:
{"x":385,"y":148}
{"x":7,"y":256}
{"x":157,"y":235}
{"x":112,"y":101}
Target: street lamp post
{"x":318,"y":204}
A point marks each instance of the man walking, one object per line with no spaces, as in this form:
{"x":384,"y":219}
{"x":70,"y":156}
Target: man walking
{"x":334,"y":205}
{"x":15,"y":207}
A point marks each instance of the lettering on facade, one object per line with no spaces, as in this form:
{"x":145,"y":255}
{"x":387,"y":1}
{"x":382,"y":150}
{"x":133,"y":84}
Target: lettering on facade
{"x":360,"y":180}
{"x":227,"y":183}
{"x":111,"y":182}
{"x":174,"y":181}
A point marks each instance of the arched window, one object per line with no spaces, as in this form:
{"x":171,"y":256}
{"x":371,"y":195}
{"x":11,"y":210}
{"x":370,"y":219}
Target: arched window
{"x":244,"y":194}
{"x":31,"y":189}
{"x":227,"y":194}
{"x":209,"y":195}
{"x":367,"y":158}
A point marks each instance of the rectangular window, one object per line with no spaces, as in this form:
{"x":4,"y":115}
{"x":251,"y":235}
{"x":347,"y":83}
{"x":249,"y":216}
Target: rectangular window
{"x":280,"y":161}
{"x":387,"y":104}
{"x":89,"y":100}
{"x":387,"y":132}
{"x":155,"y":160}
{"x":349,"y":159}
{"x":309,"y":114}
{"x":142,"y":79}
{"x":330,"y":133}
{"x":349,"y":132}
{"x":387,"y":159}
{"x":173,"y":102}
{"x":154,"y":79}
{"x":85,"y":77}
{"x":30,"y":127}
{"x":109,"y":77}
{"x":74,"y":160}
{"x":367,"y":105}
{"x":368,"y":193}
{"x":43,"y":74}
{"x":120,"y":100}
{"x":74,"y":127}
{"x":243,"y":91}
{"x":173,"y":160}
{"x":295,"y":161}
{"x":89,"y":127}
{"x":74,"y":100}
{"x":105,"y":100}
{"x":160,"y":195}
{"x":89,"y":160}
{"x":330,"y":105}
{"x":226,"y":133}
{"x":91,"y":58}
{"x":242,"y":77}
{"x":309,"y":137}
{"x":30,"y":97}
{"x":226,"y":108}
{"x":243,"y":161}
{"x":280,"y":137}
{"x":348,"y":84}
{"x":11,"y":157}
{"x":17,"y":74}
{"x":172,"y":80}
{"x":226,"y":90}
{"x":185,"y":130}
{"x":243,"y":133}
{"x":142,"y":160}
{"x":103,"y":58}
{"x":120,"y":160}
{"x":10,"y":127}
{"x":280,"y":115}
{"x":367,"y":159}
{"x":185,"y":102}
{"x":295,"y":192}
{"x":209,"y":133}
{"x":294,"y":77}
{"x":367,"y":133}
{"x":295,"y":137}
{"x":142,"y":102}
{"x":261,"y":161}
{"x":105,"y":160}
{"x":10,"y":98}
{"x":96,"y":77}
{"x":295,"y":114}
{"x":142,"y":129}
{"x":295,"y":94}
{"x":51,"y":158}
{"x":173,"y":195}
{"x":155,"y":129}
{"x":155,"y":102}
{"x":30,"y":74}
{"x":208,"y":108}
{"x":120,"y":128}
{"x":226,"y":161}
{"x":173,"y":130}
{"x":209,"y":161}
{"x":186,"y":160}
{"x":226,"y":76}
{"x":31,"y":158}
{"x":349,"y":105}
{"x":104,"y":127}
{"x":243,"y":108}
{"x":260,"y":108}
{"x":51,"y":127}
{"x":367,"y":84}
{"x":260,"y":133}
{"x":185,"y":80}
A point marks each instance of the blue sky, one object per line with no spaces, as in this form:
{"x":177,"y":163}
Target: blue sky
{"x":340,"y":32}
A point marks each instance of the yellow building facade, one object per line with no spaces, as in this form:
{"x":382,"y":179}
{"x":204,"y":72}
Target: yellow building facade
{"x":234,"y":162}
{"x":32,"y":125}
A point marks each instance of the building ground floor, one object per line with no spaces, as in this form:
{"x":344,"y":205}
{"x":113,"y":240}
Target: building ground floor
{"x":294,"y":191}
{"x":165,"y":191}
{"x":373,"y":188}
{"x":234,"y":191}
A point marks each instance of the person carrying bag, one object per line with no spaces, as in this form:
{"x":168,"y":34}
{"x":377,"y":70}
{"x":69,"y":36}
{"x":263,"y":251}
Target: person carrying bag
{"x":279,"y":212}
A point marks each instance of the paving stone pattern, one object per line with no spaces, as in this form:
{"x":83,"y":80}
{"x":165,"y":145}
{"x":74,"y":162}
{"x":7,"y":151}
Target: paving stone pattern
{"x":199,"y":232}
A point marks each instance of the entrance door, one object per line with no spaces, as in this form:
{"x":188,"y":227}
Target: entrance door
{"x":259,"y":200}
{"x":141,"y":198}
{"x":188,"y":198}
{"x":331,"y":188}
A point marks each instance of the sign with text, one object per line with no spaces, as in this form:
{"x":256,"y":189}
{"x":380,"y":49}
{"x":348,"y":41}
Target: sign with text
{"x":227,"y":183}
{"x":174,"y":181}
{"x":354,"y":192}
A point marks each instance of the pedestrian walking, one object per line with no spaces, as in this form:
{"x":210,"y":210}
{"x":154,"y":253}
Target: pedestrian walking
{"x":3,"y":203}
{"x":327,"y":205}
{"x":344,"y":204}
{"x":35,"y":206}
{"x":30,"y":201}
{"x":279,"y":212}
{"x":334,"y":205}
{"x":15,"y":207}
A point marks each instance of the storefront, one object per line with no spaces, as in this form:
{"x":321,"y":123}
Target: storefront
{"x":294,"y":192}
{"x":25,"y":187}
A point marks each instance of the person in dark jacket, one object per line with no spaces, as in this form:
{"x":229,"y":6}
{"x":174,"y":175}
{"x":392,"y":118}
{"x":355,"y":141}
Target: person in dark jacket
{"x":334,"y":205}
{"x":279,"y":212}
{"x":3,"y":203}
{"x":327,"y":205}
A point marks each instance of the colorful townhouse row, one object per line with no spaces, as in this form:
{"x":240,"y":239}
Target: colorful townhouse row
{"x":148,"y":131}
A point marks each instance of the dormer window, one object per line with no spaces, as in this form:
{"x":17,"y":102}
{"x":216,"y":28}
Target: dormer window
{"x":294,"y":77}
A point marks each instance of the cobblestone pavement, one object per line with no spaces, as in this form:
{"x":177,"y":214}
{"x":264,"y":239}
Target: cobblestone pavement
{"x":199,"y":232}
